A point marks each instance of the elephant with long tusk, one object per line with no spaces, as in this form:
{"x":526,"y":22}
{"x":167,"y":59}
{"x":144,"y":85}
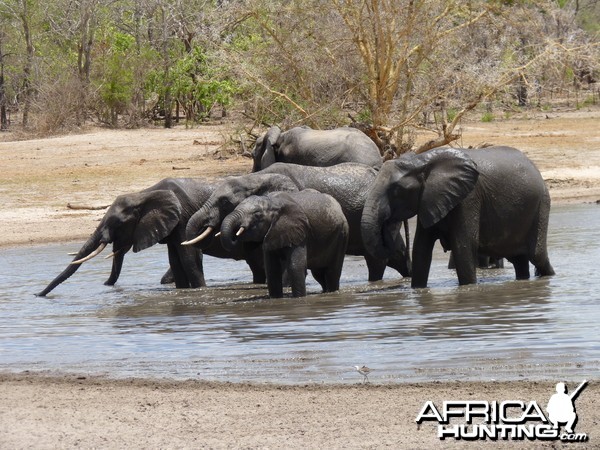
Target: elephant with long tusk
{"x":158,"y":214}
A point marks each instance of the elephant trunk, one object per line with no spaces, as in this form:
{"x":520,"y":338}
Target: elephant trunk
{"x":199,"y":230}
{"x":231,"y":230}
{"x":117,"y":265}
{"x":373,"y":224}
{"x":90,"y":246}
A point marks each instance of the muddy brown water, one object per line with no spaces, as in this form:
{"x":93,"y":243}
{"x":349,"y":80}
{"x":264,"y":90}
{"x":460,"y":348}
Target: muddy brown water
{"x":499,"y":329}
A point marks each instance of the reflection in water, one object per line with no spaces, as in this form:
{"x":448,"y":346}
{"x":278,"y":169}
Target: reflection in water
{"x":500,"y":328}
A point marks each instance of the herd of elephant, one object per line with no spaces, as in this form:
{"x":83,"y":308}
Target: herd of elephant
{"x":315,"y":196}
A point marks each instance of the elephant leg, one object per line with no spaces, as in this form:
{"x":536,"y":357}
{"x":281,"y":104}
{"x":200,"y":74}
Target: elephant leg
{"x":190,"y":261}
{"x":168,"y":277}
{"x":483,"y":261}
{"x":376,"y":267}
{"x":401,"y":265}
{"x":521,"y":264}
{"x":539,"y":251}
{"x":451,"y":263}
{"x":464,"y":249}
{"x":321,"y":277}
{"x":181,"y":280}
{"x":296,"y":269}
{"x":422,"y":254}
{"x":329,"y":277}
{"x":543,"y":268}
{"x":192,"y":264}
{"x":334,"y":270}
{"x":274,"y":272}
{"x":497,"y":263}
{"x":255,"y":260}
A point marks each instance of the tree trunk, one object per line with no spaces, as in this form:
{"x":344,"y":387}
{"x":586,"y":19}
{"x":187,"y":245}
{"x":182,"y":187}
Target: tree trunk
{"x":84,"y":58}
{"x":27,"y":91}
{"x":3,"y":118}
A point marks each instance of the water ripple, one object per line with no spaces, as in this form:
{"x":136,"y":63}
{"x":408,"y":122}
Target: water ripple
{"x":498,"y":329}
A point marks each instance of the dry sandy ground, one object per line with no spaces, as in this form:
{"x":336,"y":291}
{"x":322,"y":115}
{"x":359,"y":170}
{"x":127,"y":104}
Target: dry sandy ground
{"x":40,"y":177}
{"x":66,"y":412}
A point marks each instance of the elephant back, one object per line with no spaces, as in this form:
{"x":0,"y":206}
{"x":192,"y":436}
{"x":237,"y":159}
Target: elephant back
{"x":348,"y":183}
{"x":493,"y":163}
{"x":324,"y":148}
{"x":327,"y":222}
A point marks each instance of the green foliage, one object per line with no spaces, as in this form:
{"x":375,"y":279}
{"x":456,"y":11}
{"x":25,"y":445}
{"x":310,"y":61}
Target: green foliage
{"x":487,"y":117}
{"x":197,"y":83}
{"x":451,"y":114}
{"x":365,"y":116}
{"x":116,"y":81}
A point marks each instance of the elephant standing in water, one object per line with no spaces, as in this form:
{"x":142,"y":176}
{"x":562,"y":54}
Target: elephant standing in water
{"x":308,"y":147}
{"x":298,"y":231}
{"x":349,"y":184}
{"x":158,"y":214}
{"x":205,"y":224}
{"x":492,"y":200}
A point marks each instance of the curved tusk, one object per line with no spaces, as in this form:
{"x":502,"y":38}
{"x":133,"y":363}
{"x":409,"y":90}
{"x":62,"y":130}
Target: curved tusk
{"x":112,"y":255}
{"x":91,"y":255}
{"x":199,"y":238}
{"x":218,"y":234}
{"x":240,"y":231}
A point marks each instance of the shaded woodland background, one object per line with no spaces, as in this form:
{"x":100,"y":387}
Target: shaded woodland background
{"x":391,"y":68}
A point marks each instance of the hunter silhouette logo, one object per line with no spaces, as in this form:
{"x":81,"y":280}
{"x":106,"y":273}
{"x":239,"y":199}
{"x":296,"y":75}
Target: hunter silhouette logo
{"x":561,"y":408}
{"x":507,"y":420}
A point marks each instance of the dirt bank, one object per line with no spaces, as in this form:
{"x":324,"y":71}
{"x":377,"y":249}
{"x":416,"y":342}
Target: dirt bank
{"x":41,"y":176}
{"x":68,"y":412}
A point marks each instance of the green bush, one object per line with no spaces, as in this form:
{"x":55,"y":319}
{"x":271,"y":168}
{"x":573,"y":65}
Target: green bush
{"x":487,"y":117}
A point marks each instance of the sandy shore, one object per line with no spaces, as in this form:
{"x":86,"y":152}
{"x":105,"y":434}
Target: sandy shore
{"x":68,"y":412}
{"x":40,"y":177}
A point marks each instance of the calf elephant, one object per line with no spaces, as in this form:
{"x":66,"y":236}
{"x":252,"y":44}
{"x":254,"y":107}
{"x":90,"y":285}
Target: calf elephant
{"x":308,"y":147}
{"x":298,"y":231}
{"x":349,"y":184}
{"x":140,"y":220}
{"x":492,"y":200}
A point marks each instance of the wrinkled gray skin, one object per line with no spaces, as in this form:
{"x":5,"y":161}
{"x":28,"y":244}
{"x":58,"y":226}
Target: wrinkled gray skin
{"x":492,"y":201}
{"x":308,"y":147}
{"x":298,"y":231}
{"x":226,"y":196}
{"x":349,"y":184}
{"x":140,"y":220}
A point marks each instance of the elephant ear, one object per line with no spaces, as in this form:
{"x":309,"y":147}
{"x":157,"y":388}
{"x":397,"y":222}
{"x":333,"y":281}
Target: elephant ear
{"x":450,"y":175}
{"x":160,"y":213}
{"x":270,"y":144}
{"x":290,"y":226}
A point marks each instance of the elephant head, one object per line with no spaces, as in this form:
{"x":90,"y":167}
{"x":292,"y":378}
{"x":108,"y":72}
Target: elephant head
{"x":428,"y":185}
{"x":265,"y":148}
{"x":275,"y":221}
{"x":135,"y":221}
{"x":230,"y":193}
